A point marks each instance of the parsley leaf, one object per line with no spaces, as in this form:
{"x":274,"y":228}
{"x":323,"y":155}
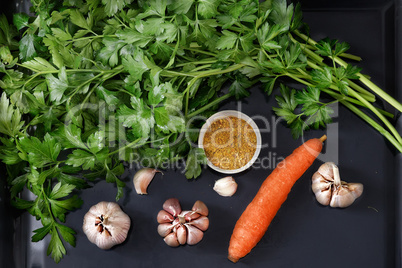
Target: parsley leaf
{"x":322,"y":76}
{"x":318,"y":113}
{"x":27,"y":47}
{"x":287,"y":110}
{"x":81,"y":158}
{"x":208,"y":8}
{"x":331,"y":47}
{"x":20,"y":20}
{"x":112,"y":7}
{"x":40,"y":153}
{"x":180,"y":6}
{"x":239,"y":86}
{"x":227,"y":40}
{"x":196,"y":158}
{"x":136,"y":65}
{"x":70,"y":136}
{"x":111,"y":177}
{"x":57,"y":86}
{"x":139,"y":119}
{"x":10,"y":118}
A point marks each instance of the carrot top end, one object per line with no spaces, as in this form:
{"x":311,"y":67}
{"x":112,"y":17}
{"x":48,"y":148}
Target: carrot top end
{"x":323,"y":138}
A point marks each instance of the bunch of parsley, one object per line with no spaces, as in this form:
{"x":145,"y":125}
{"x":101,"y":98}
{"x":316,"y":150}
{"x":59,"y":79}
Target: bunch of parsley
{"x":88,"y":85}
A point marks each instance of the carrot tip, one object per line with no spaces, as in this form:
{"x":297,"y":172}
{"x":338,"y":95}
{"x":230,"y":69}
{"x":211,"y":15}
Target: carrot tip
{"x":233,"y":259}
{"x":323,"y":138}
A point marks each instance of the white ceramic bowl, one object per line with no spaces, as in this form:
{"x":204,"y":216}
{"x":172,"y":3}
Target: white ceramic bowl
{"x":240,"y":115}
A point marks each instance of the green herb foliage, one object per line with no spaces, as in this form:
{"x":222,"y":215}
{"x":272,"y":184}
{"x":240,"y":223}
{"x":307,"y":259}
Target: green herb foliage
{"x":88,"y":85}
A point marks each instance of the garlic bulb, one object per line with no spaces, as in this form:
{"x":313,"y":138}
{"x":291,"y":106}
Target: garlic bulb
{"x":143,"y":178}
{"x":179,"y":227}
{"x":330,"y":190}
{"x":226,"y":186}
{"x":106,"y":225}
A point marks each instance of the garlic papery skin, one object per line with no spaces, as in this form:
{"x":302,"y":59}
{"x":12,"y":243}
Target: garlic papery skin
{"x":106,"y":225}
{"x":330,"y":190}
{"x":143,"y":178}
{"x":226,"y":186}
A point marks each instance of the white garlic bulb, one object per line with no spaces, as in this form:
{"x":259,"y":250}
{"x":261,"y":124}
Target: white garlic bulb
{"x":330,"y":190}
{"x":226,"y":186}
{"x":106,"y":225}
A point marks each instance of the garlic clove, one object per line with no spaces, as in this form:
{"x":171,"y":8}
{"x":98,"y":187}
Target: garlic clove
{"x":321,"y":187}
{"x":319,"y":182}
{"x":342,"y":198}
{"x":201,"y":223}
{"x":356,"y":189}
{"x":323,"y":197}
{"x":181,"y":234}
{"x":164,"y":216}
{"x":194,"y":235}
{"x":226,"y":186}
{"x":172,"y":205}
{"x":200,"y":208}
{"x":326,"y":170}
{"x":106,"y":225}
{"x":171,"y":240}
{"x":346,"y":194}
{"x":143,"y":178}
{"x":189,"y":215}
{"x":165,"y":228}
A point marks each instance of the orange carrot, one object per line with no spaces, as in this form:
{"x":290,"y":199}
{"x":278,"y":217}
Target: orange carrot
{"x":254,"y":221}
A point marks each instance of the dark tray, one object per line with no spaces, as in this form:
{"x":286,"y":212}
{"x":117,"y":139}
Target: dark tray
{"x":303,"y":234}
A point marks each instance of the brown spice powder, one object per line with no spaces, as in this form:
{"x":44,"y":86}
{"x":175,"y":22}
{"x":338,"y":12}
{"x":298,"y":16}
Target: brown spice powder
{"x":230,"y":143}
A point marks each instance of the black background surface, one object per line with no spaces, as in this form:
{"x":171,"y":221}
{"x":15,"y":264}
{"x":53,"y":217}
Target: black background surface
{"x":304,"y":233}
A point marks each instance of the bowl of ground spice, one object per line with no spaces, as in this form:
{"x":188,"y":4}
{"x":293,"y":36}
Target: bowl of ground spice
{"x":231,"y":141}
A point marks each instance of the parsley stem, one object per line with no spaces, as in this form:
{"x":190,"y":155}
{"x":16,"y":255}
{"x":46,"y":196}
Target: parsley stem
{"x":46,"y":199}
{"x":351,"y":57}
{"x":366,"y":94}
{"x":295,"y":77}
{"x":376,"y":89}
{"x":374,"y":124}
{"x":367,"y":97}
{"x":335,"y":95}
{"x":201,"y":67}
{"x":308,"y":51}
{"x":137,"y":143}
{"x":89,"y":37}
{"x":378,"y":114}
{"x":133,"y":144}
{"x":209,"y":105}
{"x":340,"y":97}
{"x":207,"y":61}
{"x":200,"y":51}
{"x":205,"y":74}
{"x":220,"y":71}
{"x":302,"y":72}
{"x":169,"y":73}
